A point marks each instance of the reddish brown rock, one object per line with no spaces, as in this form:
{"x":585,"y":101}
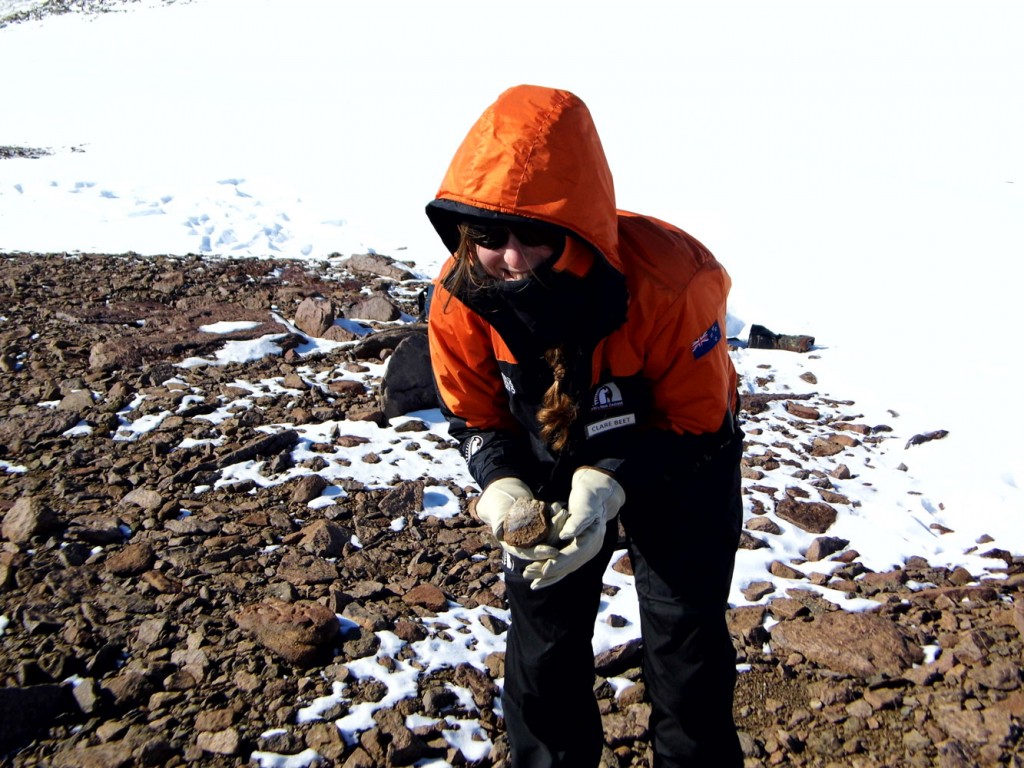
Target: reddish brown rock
{"x":857,"y":644}
{"x":307,"y":488}
{"x":427,"y":596}
{"x":297,"y":632}
{"x":133,"y":559}
{"x":526,"y":524}
{"x":314,"y":316}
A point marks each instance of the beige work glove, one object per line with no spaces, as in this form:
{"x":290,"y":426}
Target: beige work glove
{"x":594,"y":500}
{"x":493,"y":507}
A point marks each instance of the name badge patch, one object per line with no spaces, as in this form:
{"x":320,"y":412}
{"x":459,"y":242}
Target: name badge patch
{"x":613,"y":423}
{"x":706,"y":341}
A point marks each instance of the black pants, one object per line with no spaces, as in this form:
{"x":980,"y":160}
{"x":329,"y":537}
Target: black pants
{"x":682,"y":542}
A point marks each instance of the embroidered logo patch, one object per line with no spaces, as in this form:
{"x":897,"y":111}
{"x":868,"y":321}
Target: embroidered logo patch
{"x":607,"y":396}
{"x":471,"y":446}
{"x":509,"y":386}
{"x":706,"y":341}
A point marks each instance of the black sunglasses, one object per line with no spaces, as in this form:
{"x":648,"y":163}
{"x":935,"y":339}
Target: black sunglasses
{"x":497,"y":235}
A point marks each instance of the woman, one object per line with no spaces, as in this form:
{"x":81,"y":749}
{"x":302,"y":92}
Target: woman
{"x":580,"y":359}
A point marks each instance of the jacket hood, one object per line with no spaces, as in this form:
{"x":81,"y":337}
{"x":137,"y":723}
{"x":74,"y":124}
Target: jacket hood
{"x":534,"y":153}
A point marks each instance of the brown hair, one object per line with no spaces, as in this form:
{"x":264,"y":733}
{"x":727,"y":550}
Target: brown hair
{"x":558,"y":409}
{"x":465,"y":274}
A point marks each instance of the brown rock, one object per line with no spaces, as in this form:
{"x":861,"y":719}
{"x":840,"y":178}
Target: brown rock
{"x":751,"y":542}
{"x":1018,"y":614}
{"x":376,"y":307}
{"x":299,"y":569}
{"x":215,"y":720}
{"x":226,"y":742}
{"x":780,"y":569}
{"x":973,"y":726}
{"x":783,"y":608}
{"x":307,"y":488}
{"x":811,"y":516}
{"x":823,"y":546}
{"x":755,"y":590}
{"x":406,"y":498}
{"x":27,"y":518}
{"x":628,"y":726}
{"x":324,"y":538}
{"x":427,"y":596}
{"x":145,"y":498}
{"x":856,"y":644}
{"x":483,"y":689}
{"x":326,"y":740}
{"x":822,"y":447}
{"x":746,"y":623}
{"x":339,"y":333}
{"x":132,"y":560}
{"x":314,"y":316}
{"x":298,"y":632}
{"x":802,"y":411}
{"x":763,"y":525}
{"x":526,"y":524}
{"x":113,"y":755}
{"x":1000,"y":675}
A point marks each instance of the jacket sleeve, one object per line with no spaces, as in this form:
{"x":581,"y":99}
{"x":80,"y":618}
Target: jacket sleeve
{"x":693,"y":379}
{"x":692,"y":386}
{"x":470,"y":391}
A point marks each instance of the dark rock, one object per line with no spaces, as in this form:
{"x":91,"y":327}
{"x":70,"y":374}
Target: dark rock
{"x":408,"y":383}
{"x":811,"y":516}
{"x":27,"y":712}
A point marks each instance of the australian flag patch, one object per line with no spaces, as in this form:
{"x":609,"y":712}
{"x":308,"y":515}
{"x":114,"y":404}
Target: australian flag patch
{"x":706,"y":341}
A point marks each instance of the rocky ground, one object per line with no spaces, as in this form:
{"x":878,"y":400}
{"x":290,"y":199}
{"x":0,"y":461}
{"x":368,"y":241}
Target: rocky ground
{"x":193,"y":638}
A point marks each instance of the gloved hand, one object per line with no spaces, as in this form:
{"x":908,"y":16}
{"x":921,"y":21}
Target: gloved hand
{"x":493,"y":507}
{"x":594,"y":499}
{"x":497,"y":499}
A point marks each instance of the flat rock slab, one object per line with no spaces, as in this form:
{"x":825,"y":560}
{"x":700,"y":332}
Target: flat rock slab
{"x":810,"y":516}
{"x":855,"y":644}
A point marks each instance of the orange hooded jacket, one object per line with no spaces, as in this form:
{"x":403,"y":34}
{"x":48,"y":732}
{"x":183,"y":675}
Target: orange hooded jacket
{"x":535,"y":153}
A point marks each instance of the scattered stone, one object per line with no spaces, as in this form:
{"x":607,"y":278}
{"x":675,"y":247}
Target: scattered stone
{"x":427,"y":596}
{"x":298,"y":632}
{"x":129,"y":586}
{"x":926,"y":437}
{"x":824,"y":546}
{"x":308,"y":487}
{"x":810,"y":516}
{"x":314,"y":316}
{"x":27,"y":518}
{"x":132,"y":560}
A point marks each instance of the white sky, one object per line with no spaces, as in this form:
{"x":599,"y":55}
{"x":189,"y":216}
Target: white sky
{"x":856,"y":166}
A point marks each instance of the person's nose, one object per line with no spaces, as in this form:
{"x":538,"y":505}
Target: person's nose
{"x":515,"y":255}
